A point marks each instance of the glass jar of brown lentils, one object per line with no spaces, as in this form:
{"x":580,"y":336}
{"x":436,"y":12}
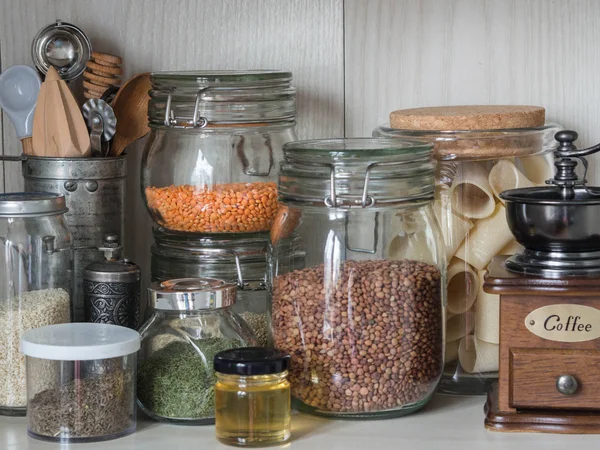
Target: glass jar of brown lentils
{"x":357,"y":276}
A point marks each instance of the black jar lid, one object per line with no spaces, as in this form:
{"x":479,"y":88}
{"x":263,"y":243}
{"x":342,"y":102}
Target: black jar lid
{"x":251,"y":361}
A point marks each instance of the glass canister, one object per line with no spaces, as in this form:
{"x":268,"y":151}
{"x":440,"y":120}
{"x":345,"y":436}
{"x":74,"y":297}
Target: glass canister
{"x":192,"y":320}
{"x":80,"y":382}
{"x":357,"y":302}
{"x":481,"y":151}
{"x":210,"y":164}
{"x":252,"y":397}
{"x":36,"y":279}
{"x":242,"y":260}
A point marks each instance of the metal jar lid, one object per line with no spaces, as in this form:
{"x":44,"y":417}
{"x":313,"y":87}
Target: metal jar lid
{"x":32,"y":204}
{"x":64,"y":46}
{"x":191,"y":294}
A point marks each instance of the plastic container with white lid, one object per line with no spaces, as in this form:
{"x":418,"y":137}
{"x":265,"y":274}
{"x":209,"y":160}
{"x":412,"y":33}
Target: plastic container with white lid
{"x":80,"y":381}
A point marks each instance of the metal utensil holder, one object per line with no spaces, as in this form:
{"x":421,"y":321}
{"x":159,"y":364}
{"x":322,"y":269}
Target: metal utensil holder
{"x":94,"y":190}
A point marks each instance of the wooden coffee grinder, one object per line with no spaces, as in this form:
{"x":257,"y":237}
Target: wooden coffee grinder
{"x":549,"y":377}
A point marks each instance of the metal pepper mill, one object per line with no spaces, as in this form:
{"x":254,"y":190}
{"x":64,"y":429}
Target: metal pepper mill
{"x":112,"y":287}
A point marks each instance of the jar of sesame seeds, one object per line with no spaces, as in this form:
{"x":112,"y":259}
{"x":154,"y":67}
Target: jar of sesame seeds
{"x":210,"y":163}
{"x":36,"y":282}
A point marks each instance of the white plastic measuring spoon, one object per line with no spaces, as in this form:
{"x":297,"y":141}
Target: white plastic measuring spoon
{"x":19,"y":89}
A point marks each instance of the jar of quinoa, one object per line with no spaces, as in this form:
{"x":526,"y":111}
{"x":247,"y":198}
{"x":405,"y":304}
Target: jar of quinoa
{"x":210,"y":163}
{"x":357,"y":276}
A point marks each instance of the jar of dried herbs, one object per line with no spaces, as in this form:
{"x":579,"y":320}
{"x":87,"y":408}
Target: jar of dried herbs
{"x":192,"y":321}
{"x":80,"y":381}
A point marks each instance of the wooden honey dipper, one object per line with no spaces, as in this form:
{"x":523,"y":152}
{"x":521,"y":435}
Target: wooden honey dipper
{"x":101,"y":72}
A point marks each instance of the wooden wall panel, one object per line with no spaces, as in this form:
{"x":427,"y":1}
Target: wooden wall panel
{"x":354,"y":60}
{"x":304,"y":36}
{"x":410,"y":53}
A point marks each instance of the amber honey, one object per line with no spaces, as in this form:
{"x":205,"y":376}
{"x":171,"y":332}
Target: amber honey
{"x":252,"y":397}
{"x":252,"y":410}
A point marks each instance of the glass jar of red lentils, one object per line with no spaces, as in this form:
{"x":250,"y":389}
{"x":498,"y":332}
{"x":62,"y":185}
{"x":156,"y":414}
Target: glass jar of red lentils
{"x":210,"y":163}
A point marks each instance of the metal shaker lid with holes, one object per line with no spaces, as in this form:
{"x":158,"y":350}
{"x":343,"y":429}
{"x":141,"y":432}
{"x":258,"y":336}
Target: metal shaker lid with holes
{"x":107,"y":271}
{"x":63,"y":46}
{"x":191,"y":294}
{"x":31,"y":204}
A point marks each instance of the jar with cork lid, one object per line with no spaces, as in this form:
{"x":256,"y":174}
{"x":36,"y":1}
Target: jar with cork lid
{"x":210,"y":163}
{"x":357,"y":302}
{"x":481,"y":150}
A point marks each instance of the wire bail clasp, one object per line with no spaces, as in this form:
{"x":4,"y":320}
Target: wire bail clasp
{"x":197,"y":120}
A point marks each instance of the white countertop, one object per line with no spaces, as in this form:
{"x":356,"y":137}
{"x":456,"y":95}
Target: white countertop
{"x":447,"y":423}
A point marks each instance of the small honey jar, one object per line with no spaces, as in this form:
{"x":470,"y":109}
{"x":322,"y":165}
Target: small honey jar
{"x":252,"y":397}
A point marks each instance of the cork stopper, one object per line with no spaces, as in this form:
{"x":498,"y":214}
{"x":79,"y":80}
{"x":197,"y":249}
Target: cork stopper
{"x":472,"y":117}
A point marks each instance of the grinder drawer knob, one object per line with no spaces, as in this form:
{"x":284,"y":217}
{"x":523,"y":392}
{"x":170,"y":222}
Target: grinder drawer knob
{"x":566,"y":384}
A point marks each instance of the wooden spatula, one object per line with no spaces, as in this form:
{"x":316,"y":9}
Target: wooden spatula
{"x":58,"y":125}
{"x":131,"y":108}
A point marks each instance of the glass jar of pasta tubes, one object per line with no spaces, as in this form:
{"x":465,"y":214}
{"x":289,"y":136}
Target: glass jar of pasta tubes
{"x":192,"y":320}
{"x":481,"y":151}
{"x":356,"y":276}
{"x":241,"y":260}
{"x":210,"y":163}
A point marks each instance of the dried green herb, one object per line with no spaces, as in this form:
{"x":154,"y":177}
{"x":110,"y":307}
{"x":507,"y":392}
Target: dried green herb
{"x":101,"y":405}
{"x":178,"y":380}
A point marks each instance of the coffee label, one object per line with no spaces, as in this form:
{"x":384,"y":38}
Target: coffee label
{"x":565,"y":323}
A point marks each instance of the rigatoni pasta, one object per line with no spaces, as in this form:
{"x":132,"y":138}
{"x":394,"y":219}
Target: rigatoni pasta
{"x":459,"y":326}
{"x":472,"y":196}
{"x":454,"y":227}
{"x":463,"y":286}
{"x":504,"y":176}
{"x":487,"y":316}
{"x":538,"y":169}
{"x":473,"y":222}
{"x":477,"y":356}
{"x":486,"y":239}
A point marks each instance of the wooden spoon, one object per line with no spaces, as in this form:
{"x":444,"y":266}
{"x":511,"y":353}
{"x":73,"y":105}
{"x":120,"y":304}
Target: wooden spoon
{"x":131,"y":109}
